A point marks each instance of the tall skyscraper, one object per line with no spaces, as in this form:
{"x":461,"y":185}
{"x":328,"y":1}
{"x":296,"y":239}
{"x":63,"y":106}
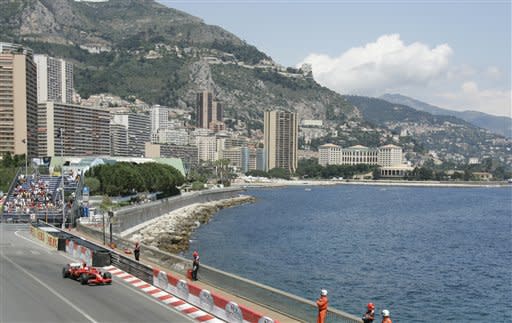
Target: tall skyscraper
{"x":54,"y":79}
{"x":18,"y":100}
{"x":209,"y":112}
{"x":280,"y":133}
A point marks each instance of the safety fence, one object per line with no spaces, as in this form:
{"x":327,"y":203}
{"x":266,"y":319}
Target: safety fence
{"x":135,"y":268}
{"x":204,"y":299}
{"x":276,"y":300}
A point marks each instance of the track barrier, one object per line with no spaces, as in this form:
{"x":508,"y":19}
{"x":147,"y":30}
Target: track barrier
{"x":206,"y":300}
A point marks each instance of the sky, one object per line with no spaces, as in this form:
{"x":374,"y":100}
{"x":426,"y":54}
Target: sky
{"x":452,"y":54}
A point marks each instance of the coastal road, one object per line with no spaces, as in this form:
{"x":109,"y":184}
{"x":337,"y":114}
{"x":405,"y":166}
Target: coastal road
{"x":32,"y":289}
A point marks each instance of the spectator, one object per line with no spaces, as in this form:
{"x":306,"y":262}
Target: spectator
{"x":322,"y":303}
{"x":385,"y":317}
{"x":369,"y":316}
{"x":136,"y":251}
{"x":195,"y":265}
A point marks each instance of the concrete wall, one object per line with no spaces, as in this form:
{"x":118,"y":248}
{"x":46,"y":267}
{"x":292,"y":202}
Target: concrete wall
{"x":129,"y":217}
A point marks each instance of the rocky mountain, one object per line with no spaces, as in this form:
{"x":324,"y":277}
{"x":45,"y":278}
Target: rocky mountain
{"x":161,"y":55}
{"x":496,"y":124}
{"x":140,"y":49}
{"x":445,"y":137}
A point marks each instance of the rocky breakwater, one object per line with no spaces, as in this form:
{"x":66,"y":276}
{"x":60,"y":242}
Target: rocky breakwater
{"x":171,"y":232}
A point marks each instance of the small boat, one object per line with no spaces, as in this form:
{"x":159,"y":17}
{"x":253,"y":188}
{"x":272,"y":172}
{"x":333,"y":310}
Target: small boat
{"x":307,"y":189}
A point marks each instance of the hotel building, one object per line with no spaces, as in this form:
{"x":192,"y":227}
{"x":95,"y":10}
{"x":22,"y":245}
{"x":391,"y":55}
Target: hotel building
{"x":389,"y":155}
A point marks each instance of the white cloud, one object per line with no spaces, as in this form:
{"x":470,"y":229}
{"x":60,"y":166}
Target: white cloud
{"x":493,"y":73}
{"x":471,"y":97}
{"x":382,"y":66}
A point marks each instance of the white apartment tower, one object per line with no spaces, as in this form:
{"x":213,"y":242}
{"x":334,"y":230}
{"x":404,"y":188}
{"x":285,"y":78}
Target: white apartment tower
{"x":159,"y":118}
{"x":54,"y":79}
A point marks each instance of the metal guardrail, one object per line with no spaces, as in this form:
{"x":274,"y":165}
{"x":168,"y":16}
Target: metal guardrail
{"x":131,"y":266}
{"x":276,"y":300}
{"x":51,"y":216}
{"x":14,"y":180}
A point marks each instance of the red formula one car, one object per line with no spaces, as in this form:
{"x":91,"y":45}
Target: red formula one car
{"x":86,"y":275}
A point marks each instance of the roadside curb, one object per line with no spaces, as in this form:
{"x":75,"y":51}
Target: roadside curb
{"x":163,"y":296}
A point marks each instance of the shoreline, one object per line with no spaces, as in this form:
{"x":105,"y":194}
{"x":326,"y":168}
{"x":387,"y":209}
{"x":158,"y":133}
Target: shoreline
{"x":290,"y":183}
{"x":171,"y":231}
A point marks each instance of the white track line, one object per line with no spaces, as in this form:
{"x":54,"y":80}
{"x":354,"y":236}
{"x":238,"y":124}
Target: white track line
{"x":65,"y":300}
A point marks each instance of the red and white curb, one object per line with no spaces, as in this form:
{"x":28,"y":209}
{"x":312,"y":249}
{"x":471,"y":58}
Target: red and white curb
{"x":166,"y":298}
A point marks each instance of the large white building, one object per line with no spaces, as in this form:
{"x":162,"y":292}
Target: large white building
{"x":385,"y":156}
{"x":329,"y":154}
{"x":173,"y":136}
{"x":159,"y":118}
{"x":390,"y":155}
{"x":54,"y":79}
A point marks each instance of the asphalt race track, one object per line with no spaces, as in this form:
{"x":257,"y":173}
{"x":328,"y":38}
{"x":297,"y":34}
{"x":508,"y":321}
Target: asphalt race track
{"x":32,"y":288}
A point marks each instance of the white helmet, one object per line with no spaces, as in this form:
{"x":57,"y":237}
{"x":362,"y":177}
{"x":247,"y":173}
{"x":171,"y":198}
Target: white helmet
{"x":385,"y":313}
{"x":323,"y":292}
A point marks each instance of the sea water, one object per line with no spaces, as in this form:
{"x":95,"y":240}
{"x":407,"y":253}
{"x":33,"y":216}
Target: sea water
{"x":426,"y":254}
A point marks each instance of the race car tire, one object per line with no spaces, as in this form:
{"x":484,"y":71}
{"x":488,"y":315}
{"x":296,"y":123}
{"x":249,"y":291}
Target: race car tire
{"x":65,"y":272}
{"x":84,"y":278}
{"x":107,"y":275}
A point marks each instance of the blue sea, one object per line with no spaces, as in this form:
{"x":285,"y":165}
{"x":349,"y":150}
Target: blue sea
{"x":426,"y":254}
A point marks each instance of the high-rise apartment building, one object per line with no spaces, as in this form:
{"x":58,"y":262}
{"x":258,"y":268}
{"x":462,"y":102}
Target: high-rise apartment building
{"x":85,"y":130}
{"x":280,"y":133}
{"x":138,"y":131}
{"x":54,"y":79}
{"x":209,"y":112}
{"x":159,"y":118}
{"x":118,"y":140}
{"x":18,"y":101}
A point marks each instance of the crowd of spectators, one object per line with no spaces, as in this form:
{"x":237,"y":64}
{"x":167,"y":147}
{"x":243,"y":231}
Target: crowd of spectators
{"x":31,"y":195}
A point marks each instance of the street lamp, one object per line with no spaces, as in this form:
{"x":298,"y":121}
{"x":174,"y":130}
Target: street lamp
{"x":60,"y":135}
{"x":26,"y":157}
